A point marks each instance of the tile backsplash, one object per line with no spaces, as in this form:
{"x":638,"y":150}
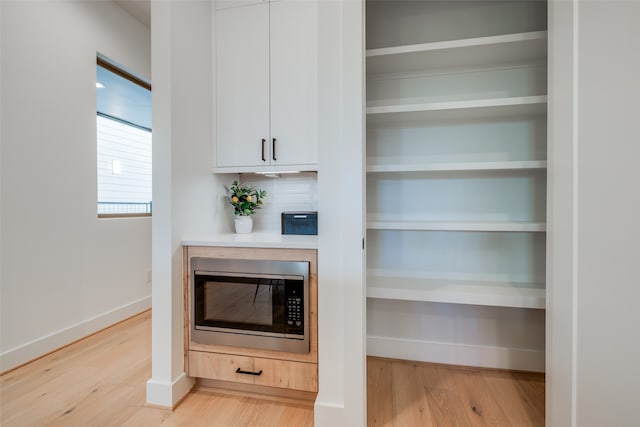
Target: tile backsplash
{"x":288,"y":192}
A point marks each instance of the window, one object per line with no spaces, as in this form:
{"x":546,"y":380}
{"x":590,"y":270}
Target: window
{"x":123,"y":106}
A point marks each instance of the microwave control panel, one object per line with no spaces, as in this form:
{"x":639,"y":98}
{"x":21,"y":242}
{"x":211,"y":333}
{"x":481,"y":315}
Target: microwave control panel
{"x":295,"y":312}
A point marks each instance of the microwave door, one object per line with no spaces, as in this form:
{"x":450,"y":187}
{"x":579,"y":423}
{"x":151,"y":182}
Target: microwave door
{"x":241,"y":304}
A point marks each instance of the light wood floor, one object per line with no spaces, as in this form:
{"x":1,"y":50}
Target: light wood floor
{"x":402,"y":393}
{"x":101,"y":381}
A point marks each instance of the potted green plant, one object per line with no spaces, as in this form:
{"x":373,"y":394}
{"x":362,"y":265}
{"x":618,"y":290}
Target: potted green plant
{"x":245,"y":200}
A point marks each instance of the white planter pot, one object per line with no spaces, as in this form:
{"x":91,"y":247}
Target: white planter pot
{"x":244,"y":224}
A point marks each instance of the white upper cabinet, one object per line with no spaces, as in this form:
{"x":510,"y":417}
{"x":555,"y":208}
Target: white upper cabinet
{"x":266,"y":87}
{"x":242,"y":90}
{"x":294,"y":82}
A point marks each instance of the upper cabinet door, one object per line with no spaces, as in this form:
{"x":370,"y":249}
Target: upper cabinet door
{"x":294,"y":82}
{"x":242,"y":76}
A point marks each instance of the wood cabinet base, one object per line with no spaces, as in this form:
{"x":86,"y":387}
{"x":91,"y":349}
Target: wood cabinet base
{"x":281,"y":395}
{"x":254,"y":371}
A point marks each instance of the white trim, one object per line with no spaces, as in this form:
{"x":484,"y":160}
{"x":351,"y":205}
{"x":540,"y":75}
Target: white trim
{"x":41,"y":346}
{"x":328,"y":414}
{"x":168,"y":394}
{"x":574,"y":260}
{"x":457,"y":354}
{"x":561,"y":214}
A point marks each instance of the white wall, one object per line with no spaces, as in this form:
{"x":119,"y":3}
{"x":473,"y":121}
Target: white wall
{"x":187,"y":197}
{"x":592,"y":306}
{"x":65,"y":273}
{"x":608,"y":206}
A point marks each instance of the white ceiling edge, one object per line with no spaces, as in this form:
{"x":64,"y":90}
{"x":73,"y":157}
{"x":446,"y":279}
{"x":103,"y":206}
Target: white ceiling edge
{"x":139,"y":9}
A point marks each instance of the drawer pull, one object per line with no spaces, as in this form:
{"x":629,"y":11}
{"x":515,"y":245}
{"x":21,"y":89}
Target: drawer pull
{"x":240,"y":371}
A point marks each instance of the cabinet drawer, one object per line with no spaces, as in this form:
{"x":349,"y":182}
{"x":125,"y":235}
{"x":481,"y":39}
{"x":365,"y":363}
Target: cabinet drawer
{"x":287,"y":374}
{"x":223,"y":367}
{"x":272,"y":373}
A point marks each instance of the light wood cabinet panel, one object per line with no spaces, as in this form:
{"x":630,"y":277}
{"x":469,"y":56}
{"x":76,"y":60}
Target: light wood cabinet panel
{"x":220,"y":366}
{"x":286,"y":374}
{"x":268,"y":372}
{"x":295,"y":371}
{"x":309,"y":255}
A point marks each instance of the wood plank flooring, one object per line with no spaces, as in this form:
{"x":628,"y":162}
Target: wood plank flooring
{"x":404,"y":393}
{"x":101,"y":381}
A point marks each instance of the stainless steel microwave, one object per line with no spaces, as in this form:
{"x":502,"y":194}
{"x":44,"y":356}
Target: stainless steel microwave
{"x":250,"y":303}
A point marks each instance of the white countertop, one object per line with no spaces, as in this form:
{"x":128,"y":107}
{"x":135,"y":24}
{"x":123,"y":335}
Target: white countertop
{"x":257,"y":240}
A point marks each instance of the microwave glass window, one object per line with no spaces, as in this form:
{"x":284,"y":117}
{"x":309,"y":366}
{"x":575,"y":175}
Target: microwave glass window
{"x":250,"y":304}
{"x":240,"y":303}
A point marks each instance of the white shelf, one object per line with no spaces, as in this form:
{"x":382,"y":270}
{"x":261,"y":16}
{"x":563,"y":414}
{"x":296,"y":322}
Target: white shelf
{"x":457,"y":166}
{"x":502,"y":294}
{"x":468,"y":109}
{"x":473,"y":104}
{"x":480,"y":51}
{"x":456,"y":226}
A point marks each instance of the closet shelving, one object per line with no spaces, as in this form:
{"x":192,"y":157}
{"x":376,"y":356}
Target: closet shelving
{"x":456,"y":226}
{"x":466,"y":109}
{"x":477,"y":51}
{"x":400,"y":166}
{"x":456,"y":173}
{"x":501,"y":294}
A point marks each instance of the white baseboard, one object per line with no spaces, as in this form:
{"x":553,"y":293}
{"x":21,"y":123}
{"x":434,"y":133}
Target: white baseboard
{"x":457,"y":354}
{"x":34,"y":349}
{"x":328,"y":414}
{"x":168,"y":394}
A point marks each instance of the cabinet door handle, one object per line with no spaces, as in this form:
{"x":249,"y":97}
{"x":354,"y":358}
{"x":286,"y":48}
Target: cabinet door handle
{"x":273,"y":149}
{"x":240,"y":371}
{"x":263,"y":158}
